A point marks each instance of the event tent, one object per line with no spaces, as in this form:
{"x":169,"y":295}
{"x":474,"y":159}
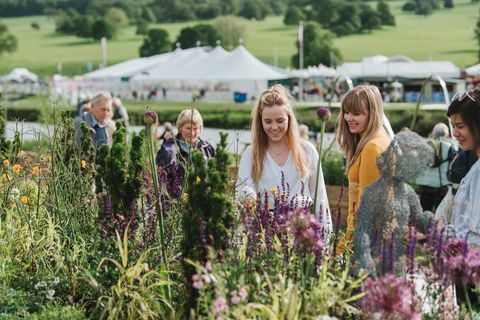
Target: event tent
{"x":20,"y":75}
{"x":132,"y":67}
{"x":381,"y":67}
{"x":176,"y":65}
{"x":240,"y":64}
{"x":473,"y":71}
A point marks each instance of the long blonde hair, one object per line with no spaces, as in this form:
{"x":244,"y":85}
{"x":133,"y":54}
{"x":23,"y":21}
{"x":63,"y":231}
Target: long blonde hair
{"x":352,"y":144}
{"x":276,"y":95}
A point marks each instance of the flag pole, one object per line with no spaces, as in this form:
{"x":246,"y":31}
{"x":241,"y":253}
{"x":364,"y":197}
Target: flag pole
{"x":300,"y":57}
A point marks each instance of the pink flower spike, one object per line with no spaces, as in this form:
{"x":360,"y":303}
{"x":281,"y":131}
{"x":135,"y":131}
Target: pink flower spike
{"x":243,"y":293}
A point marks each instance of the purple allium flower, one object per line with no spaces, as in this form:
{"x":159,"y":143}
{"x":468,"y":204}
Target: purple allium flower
{"x":461,"y":263}
{"x":150,"y":117}
{"x":323,"y":113}
{"x":307,"y":231}
{"x":389,"y":296}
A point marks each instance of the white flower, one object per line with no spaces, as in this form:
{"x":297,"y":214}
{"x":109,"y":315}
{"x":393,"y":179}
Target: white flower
{"x":15,"y":192}
{"x":55,"y":281}
{"x":50,"y":294}
{"x":40,"y":285}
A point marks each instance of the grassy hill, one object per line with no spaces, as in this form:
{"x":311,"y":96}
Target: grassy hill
{"x":444,"y":35}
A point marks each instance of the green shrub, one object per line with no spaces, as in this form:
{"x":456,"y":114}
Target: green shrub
{"x":58,"y":313}
{"x":333,"y":166}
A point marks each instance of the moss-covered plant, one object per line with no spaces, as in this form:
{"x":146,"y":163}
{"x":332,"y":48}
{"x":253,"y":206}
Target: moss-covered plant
{"x":209,"y":211}
{"x":120,"y":169}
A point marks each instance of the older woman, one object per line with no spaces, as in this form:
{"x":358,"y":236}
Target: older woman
{"x":175,"y":151}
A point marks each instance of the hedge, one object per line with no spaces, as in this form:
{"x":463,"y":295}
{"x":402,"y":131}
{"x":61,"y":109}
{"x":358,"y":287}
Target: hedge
{"x":240,"y":118}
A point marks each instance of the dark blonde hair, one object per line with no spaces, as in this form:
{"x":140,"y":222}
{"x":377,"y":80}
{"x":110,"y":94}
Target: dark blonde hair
{"x":352,"y":144}
{"x":276,"y":95}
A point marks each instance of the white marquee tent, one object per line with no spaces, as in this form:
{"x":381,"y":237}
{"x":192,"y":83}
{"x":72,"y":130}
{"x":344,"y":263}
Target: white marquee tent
{"x":381,"y":67}
{"x":20,"y":75}
{"x":473,"y":71}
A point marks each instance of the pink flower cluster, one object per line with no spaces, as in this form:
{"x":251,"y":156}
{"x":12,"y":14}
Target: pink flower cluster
{"x":307,"y":230}
{"x":461,"y":263}
{"x":390,"y":297}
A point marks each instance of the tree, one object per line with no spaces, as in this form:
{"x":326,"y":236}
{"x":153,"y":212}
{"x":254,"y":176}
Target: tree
{"x":117,"y":18}
{"x":348,"y":20}
{"x":386,"y":17}
{"x":423,"y":8}
{"x":83,"y":26}
{"x":369,"y":18}
{"x":157,"y":41}
{"x":318,"y":47}
{"x":205,"y":33}
{"x":230,"y":30}
{"x":142,"y":27}
{"x":448,"y":4}
{"x":102,"y":28}
{"x":293,"y":15}
{"x":8,"y":42}
{"x":254,"y":9}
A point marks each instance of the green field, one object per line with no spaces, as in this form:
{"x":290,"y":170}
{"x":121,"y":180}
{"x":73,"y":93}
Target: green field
{"x":444,"y":35}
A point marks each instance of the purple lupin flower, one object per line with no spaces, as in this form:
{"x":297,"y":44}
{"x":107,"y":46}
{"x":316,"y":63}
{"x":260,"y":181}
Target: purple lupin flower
{"x":323,"y":113}
{"x":412,"y":243}
{"x":391,"y":260}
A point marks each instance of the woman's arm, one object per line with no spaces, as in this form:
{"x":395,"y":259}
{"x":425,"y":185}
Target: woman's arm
{"x":368,"y":171}
{"x":245,"y":186}
{"x":322,"y":208}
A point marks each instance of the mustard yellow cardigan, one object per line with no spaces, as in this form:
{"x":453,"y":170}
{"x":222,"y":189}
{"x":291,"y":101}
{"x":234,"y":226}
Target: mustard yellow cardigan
{"x":361,"y":174}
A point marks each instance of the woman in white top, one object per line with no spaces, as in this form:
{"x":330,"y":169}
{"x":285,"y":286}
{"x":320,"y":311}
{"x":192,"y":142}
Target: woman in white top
{"x":279,"y":159}
{"x":464,"y":113}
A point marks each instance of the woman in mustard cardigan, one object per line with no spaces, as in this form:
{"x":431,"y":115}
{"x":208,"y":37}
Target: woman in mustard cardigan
{"x":361,"y":137}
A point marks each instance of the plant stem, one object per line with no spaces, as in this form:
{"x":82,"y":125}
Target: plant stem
{"x":319,"y":167}
{"x":467,"y":298}
{"x":153,"y":167}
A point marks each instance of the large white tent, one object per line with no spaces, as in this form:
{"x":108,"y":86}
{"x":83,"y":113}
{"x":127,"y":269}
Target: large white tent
{"x":473,"y":71}
{"x":20,"y":75}
{"x":381,"y":67}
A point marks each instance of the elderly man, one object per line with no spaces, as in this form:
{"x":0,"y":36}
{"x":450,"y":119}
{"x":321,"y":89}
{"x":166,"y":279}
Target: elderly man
{"x":97,"y":119}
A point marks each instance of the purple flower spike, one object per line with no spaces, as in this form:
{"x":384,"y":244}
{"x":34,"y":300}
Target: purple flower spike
{"x":323,"y":113}
{"x":150,"y":117}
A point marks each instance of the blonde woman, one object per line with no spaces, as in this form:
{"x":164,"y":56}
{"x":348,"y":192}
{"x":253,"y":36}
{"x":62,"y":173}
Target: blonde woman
{"x":175,"y":151}
{"x":361,"y":137}
{"x":278,"y":158}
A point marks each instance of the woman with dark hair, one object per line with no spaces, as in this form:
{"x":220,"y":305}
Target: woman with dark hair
{"x":464,"y":113}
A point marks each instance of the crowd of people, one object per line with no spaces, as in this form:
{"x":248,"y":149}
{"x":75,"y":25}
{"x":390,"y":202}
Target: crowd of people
{"x":281,"y":160}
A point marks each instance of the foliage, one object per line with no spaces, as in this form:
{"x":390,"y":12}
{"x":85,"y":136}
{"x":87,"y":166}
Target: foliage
{"x":117,"y":18}
{"x":121,"y":169}
{"x":230,"y":30}
{"x":139,"y":291}
{"x":333,"y":165}
{"x":142,"y":27}
{"x":369,"y":18}
{"x":156,"y":41}
{"x":293,"y":15}
{"x":208,"y":215}
{"x":448,"y":4}
{"x":254,"y":9}
{"x":386,"y":17}
{"x":8,"y":42}
{"x":58,"y":312}
{"x":204,"y":33}
{"x":35,"y":25}
{"x":318,"y":47}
